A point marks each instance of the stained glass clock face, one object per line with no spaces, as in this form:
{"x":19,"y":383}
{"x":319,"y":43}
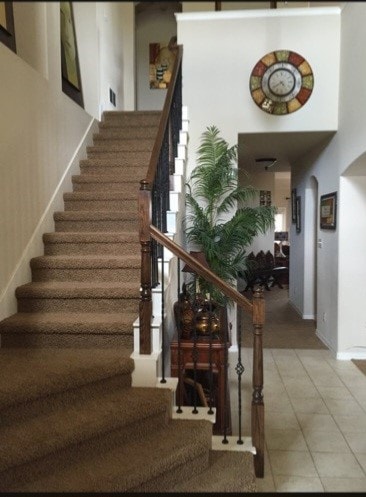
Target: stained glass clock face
{"x":281,"y":82}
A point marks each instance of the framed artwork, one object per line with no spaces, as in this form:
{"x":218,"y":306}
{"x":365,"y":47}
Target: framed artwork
{"x":293,"y":205}
{"x":265,"y":197}
{"x":328,"y":211}
{"x":7,"y":35}
{"x":161,"y":62}
{"x":298,"y":214}
{"x":71,"y":81}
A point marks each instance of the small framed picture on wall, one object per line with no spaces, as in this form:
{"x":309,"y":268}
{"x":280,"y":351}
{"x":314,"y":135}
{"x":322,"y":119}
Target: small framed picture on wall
{"x":298,"y":214}
{"x":328,"y":211}
{"x":293,"y":205}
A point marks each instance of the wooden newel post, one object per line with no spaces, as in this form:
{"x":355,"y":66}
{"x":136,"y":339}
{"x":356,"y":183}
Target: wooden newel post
{"x":145,"y":307}
{"x":257,"y":398}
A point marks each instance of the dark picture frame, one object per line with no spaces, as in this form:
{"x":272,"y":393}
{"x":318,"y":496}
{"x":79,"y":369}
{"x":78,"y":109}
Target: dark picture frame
{"x":328,"y":211}
{"x":7,"y":34}
{"x":70,"y":69}
{"x":293,"y":205}
{"x":298,"y":214}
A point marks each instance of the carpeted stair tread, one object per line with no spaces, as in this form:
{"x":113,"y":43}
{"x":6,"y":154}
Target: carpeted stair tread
{"x":159,"y":457}
{"x":94,"y":215}
{"x":110,"y":179}
{"x":78,"y":289}
{"x":92,"y":237}
{"x":128,"y":159}
{"x":106,"y":132}
{"x":89,"y":243}
{"x":130,"y":194}
{"x":228,"y":471}
{"x":78,"y":421}
{"x":132,"y":144}
{"x":30,"y":373}
{"x":90,"y":261}
{"x":72,"y":322}
{"x":131,"y":118}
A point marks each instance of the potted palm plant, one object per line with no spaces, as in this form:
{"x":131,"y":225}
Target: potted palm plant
{"x":221,"y":220}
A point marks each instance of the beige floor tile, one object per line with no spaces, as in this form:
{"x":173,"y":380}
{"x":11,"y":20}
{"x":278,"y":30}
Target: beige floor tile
{"x":337,"y":465}
{"x":345,"y":485}
{"x":309,"y":405}
{"x":291,"y":463}
{"x":316,"y":422}
{"x":328,"y":392}
{"x":356,"y":442}
{"x":279,"y":420}
{"x":274,"y":402}
{"x":285,"y":440}
{"x":300,"y":387}
{"x":325,"y":441}
{"x":361,"y":458}
{"x":325,"y":379}
{"x":346,"y":407}
{"x":298,"y":484}
{"x":351,"y":424}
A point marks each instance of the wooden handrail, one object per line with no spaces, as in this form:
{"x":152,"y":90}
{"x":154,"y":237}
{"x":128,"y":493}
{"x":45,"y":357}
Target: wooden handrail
{"x":201,"y":270}
{"x":151,"y":171}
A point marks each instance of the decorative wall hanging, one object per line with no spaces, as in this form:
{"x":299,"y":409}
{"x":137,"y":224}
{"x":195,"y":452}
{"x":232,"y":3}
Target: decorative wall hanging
{"x":161,"y":62}
{"x":7,"y":35}
{"x":298,"y":214}
{"x":265,"y":197}
{"x":328,"y":211}
{"x":71,"y":81}
{"x":293,"y":205}
{"x":281,"y":82}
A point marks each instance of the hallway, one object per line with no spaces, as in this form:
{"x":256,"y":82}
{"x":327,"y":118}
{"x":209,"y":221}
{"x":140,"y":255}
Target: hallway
{"x":315,"y":419}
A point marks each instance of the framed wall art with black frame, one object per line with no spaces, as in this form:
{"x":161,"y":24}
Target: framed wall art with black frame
{"x":293,"y":205}
{"x":328,"y":211}
{"x":71,"y":80}
{"x":7,"y":35}
{"x":298,"y":214}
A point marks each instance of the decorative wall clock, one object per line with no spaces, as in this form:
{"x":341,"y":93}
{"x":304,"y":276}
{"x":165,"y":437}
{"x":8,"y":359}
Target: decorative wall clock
{"x":281,"y":82}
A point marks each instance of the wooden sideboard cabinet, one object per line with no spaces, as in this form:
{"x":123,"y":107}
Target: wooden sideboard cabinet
{"x":195,"y":357}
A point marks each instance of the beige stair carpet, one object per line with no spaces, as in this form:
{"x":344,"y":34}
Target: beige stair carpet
{"x":70,"y":420}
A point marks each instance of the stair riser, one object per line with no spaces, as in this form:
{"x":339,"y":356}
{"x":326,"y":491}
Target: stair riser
{"x":66,"y":341}
{"x":49,"y":403}
{"x":183,"y":472}
{"x":78,"y":305}
{"x":16,"y":478}
{"x":99,"y":186}
{"x":90,"y":274}
{"x":121,"y":146}
{"x":96,"y":226}
{"x":126,"y":132}
{"x":125,"y":159}
{"x":102,"y":205}
{"x":130,"y":120}
{"x":91,"y":248}
{"x":124,"y":173}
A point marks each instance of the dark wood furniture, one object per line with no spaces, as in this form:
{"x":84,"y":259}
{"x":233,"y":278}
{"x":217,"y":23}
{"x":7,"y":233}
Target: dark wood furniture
{"x":184,"y":366}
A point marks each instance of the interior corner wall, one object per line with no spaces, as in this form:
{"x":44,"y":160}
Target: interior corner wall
{"x":42,"y":131}
{"x":152,"y":26}
{"x":115,"y":44}
{"x":339,"y":327}
{"x":219,"y":55}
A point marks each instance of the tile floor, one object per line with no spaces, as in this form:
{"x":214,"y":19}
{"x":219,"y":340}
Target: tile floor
{"x":315,"y":421}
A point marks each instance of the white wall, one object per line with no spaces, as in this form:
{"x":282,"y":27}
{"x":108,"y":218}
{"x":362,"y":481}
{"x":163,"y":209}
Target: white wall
{"x":152,"y":26}
{"x":340,"y":303}
{"x":43,"y":133}
{"x":220,"y":51}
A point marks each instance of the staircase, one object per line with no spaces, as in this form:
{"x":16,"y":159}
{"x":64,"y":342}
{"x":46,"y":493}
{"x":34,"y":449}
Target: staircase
{"x":70,"y":419}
